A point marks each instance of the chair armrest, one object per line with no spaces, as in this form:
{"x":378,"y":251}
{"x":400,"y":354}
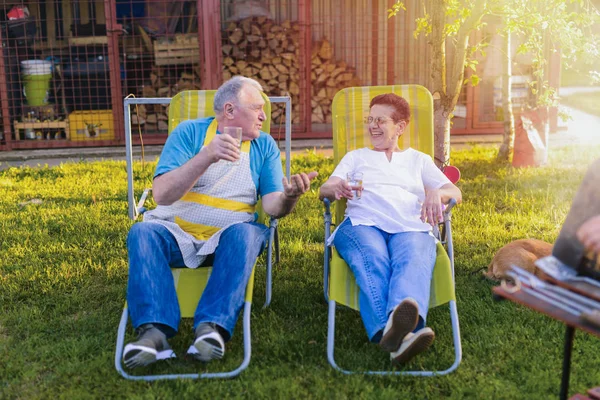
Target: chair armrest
{"x":327,"y":222}
{"x":140,"y":209}
{"x":327,"y":250}
{"x":451,"y":203}
{"x":272,"y":222}
{"x":327,"y":203}
{"x":448,"y":210}
{"x":327,"y":218}
{"x":445,"y":224}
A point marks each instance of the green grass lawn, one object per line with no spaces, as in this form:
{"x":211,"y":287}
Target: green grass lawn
{"x":63,"y":275}
{"x":587,"y":102}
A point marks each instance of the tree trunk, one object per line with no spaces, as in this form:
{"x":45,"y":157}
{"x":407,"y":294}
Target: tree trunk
{"x":441,"y":127}
{"x":508,"y":140}
{"x":448,"y":79}
{"x":438,"y":75}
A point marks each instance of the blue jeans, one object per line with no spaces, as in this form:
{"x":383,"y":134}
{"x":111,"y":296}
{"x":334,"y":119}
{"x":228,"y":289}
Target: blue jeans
{"x":388,"y":268}
{"x":151,"y":295}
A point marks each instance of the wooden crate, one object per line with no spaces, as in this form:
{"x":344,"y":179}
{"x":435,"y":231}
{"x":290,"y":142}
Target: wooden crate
{"x":43,"y":126}
{"x":182,"y":49}
{"x":80,"y":121}
{"x":87,"y":40}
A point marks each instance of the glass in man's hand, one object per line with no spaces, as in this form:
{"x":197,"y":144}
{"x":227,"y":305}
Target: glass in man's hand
{"x":236,"y":133}
{"x":355,"y":179}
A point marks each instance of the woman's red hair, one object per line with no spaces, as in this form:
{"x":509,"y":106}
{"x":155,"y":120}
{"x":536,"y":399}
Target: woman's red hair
{"x":399,"y":104}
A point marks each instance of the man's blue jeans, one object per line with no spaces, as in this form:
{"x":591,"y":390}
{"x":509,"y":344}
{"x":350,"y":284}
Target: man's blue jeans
{"x":151,"y":296}
{"x":388,"y":268}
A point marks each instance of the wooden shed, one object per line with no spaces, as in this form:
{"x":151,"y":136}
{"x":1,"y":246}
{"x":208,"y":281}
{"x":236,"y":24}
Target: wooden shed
{"x":66,"y":66}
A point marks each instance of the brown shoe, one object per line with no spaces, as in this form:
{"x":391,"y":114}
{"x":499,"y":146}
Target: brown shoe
{"x":401,"y":322}
{"x":413,"y":344}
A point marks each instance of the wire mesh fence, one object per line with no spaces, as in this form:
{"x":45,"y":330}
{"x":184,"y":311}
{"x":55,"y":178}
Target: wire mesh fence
{"x":65,"y":66}
{"x":161,"y":55}
{"x":57,"y":80}
{"x":262,"y":40}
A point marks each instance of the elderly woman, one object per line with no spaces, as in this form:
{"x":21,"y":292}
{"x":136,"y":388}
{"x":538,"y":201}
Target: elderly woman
{"x":386,"y":237}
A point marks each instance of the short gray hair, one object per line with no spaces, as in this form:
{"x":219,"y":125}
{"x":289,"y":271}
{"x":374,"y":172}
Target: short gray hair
{"x":230,"y":90}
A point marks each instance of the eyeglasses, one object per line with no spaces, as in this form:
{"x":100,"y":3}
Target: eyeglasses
{"x":378,"y":120}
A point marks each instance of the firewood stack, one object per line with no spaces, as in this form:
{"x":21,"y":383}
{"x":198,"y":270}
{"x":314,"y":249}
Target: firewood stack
{"x":259,"y":48}
{"x":155,"y":117}
{"x":327,"y":78}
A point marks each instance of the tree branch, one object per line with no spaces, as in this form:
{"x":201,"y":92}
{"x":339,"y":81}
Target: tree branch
{"x":457,"y":70}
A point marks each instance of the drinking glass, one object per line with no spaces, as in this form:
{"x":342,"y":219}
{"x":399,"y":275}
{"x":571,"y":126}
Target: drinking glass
{"x":355,"y":179}
{"x":236,"y":133}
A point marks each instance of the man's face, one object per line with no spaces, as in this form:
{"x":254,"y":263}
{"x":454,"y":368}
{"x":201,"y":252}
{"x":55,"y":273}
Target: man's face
{"x":248,"y":113}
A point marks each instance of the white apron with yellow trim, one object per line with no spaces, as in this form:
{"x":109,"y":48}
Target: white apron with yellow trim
{"x":223,"y":196}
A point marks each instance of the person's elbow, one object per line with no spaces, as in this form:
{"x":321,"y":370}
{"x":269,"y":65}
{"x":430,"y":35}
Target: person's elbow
{"x":451,"y":191}
{"x":159,"y":197}
{"x":159,"y":194}
{"x":457,"y":195}
{"x":270,"y":204}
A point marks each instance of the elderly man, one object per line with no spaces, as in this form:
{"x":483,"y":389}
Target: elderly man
{"x":206,"y":187}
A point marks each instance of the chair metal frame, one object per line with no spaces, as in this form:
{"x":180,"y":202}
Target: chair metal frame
{"x":445,"y":238}
{"x":230,"y":374}
{"x":134,"y":211}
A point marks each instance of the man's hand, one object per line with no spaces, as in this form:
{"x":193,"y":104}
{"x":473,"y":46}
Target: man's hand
{"x":432,"y":209}
{"x":222,"y":147}
{"x":589,"y":234}
{"x":298,"y":184}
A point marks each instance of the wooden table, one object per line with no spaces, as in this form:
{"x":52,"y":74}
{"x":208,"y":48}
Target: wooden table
{"x":571,"y":321}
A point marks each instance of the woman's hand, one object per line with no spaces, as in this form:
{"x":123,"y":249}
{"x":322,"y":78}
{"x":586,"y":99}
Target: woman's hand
{"x":336,"y":188}
{"x":589,"y":234}
{"x":343,"y":190}
{"x":432,"y":209}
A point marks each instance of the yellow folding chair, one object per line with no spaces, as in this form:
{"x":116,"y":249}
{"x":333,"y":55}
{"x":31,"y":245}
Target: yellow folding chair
{"x":349,"y":107}
{"x":190,"y":283}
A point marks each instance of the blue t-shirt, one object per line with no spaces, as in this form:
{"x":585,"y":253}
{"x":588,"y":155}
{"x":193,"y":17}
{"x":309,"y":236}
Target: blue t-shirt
{"x":188,"y":138}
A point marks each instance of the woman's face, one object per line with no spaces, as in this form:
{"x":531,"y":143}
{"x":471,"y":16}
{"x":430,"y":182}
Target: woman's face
{"x":384,"y":132}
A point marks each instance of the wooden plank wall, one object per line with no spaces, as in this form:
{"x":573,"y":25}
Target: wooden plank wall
{"x":383,"y":50}
{"x":280,"y":10}
{"x":347,"y":25}
{"x":360,"y":32}
{"x":361,"y":35}
{"x":98,"y":10}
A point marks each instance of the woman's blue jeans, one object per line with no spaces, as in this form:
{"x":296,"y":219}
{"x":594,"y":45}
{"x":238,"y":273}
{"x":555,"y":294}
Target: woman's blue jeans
{"x":388,"y":268}
{"x":151,"y":295}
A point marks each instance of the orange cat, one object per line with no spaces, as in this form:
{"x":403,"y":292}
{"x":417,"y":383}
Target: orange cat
{"x":522,"y":253}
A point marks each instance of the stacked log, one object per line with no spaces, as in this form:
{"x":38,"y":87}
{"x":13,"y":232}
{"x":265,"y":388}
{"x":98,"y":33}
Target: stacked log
{"x":327,"y":78}
{"x":259,"y":48}
{"x":155,"y":117}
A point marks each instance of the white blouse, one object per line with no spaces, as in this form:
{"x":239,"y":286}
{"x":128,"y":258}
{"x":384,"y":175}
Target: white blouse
{"x":394,"y":190}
